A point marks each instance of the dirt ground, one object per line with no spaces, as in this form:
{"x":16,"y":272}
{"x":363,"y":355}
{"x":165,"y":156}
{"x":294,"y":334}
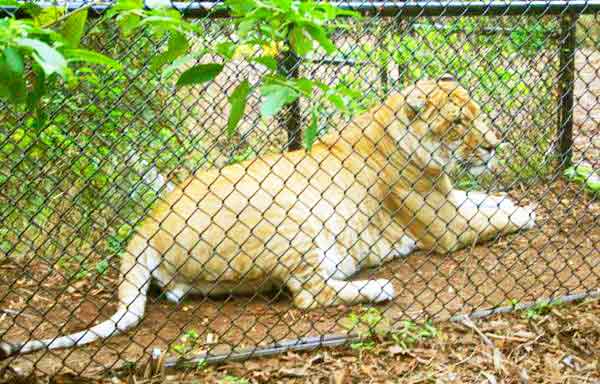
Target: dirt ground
{"x":557,"y":345}
{"x":560,"y":256}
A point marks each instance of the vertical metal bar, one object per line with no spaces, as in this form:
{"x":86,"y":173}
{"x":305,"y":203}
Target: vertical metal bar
{"x":290,"y":118}
{"x":566,"y":85}
{"x":383,"y":75}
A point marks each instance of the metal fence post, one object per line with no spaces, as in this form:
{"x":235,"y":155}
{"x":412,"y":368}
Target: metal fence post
{"x":290,"y":118}
{"x":566,"y":85}
{"x":383,"y":76}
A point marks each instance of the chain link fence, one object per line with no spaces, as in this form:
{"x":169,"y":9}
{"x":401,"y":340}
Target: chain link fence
{"x":111,"y":178}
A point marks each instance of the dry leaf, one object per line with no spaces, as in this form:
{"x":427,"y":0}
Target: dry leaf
{"x":338,"y":377}
{"x":491,"y":379}
{"x":293,"y":372}
{"x":316,"y":359}
{"x":211,"y":338}
{"x":552,"y":366}
{"x":498,"y":360}
{"x":524,"y":334}
{"x":396,"y":350}
{"x":252,"y":365}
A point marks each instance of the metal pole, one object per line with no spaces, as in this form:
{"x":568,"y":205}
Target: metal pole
{"x":383,"y":76}
{"x":290,"y":119}
{"x":566,"y":85}
{"x":382,"y":8}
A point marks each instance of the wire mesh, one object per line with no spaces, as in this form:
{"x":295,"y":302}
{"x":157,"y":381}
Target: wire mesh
{"x":77,"y":193}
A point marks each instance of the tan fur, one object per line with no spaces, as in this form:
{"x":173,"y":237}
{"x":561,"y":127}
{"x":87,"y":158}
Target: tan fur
{"x":308,"y":221}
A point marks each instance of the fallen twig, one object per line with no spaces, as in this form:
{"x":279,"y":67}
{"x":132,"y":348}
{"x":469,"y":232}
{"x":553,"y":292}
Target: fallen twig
{"x":15,"y":313}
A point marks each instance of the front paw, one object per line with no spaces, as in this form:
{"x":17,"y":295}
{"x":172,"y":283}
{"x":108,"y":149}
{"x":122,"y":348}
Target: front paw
{"x":524,"y":217}
{"x":406,"y":246}
{"x":383,"y":290}
{"x":530,"y":209}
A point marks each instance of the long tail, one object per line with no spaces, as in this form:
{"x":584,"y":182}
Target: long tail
{"x":134,"y":283}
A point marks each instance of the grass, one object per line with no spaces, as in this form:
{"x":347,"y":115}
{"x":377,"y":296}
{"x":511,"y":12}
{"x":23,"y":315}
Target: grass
{"x":586,"y":175}
{"x":372,"y":326}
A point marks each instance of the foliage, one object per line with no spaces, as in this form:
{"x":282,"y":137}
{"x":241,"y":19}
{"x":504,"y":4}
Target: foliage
{"x":586,"y":175}
{"x":35,"y":57}
{"x":539,"y":309}
{"x":296,"y":25}
{"x":411,"y":333}
{"x":93,"y":153}
{"x":263,"y":29}
{"x":189,"y":341}
{"x":369,"y":323}
{"x":77,"y":130}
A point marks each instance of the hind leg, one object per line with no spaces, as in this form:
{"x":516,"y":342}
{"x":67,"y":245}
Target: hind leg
{"x":176,"y":293}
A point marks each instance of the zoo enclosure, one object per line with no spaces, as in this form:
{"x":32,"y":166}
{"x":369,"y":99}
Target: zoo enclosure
{"x":400,"y":19}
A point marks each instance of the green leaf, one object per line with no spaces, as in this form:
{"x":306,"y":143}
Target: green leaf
{"x":40,"y":119}
{"x":268,"y":61}
{"x":128,"y":23}
{"x":125,"y":5}
{"x":13,"y":90}
{"x":337,"y":101}
{"x":48,"y":15}
{"x":46,"y":56}
{"x":311,"y":133}
{"x":584,"y":170}
{"x":163,"y":24}
{"x":347,"y":12}
{"x":73,"y":28}
{"x":102,"y":266}
{"x":301,"y":43}
{"x":181,"y":61}
{"x":594,"y":184}
{"x":276,"y":96}
{"x":305,"y":85}
{"x":226,"y":49}
{"x":321,"y":37}
{"x":199,"y":74}
{"x":75,"y":55}
{"x":14,"y":61}
{"x":12,"y":86}
{"x":238,"y":101}
{"x":178,"y":45}
{"x":240,"y":7}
